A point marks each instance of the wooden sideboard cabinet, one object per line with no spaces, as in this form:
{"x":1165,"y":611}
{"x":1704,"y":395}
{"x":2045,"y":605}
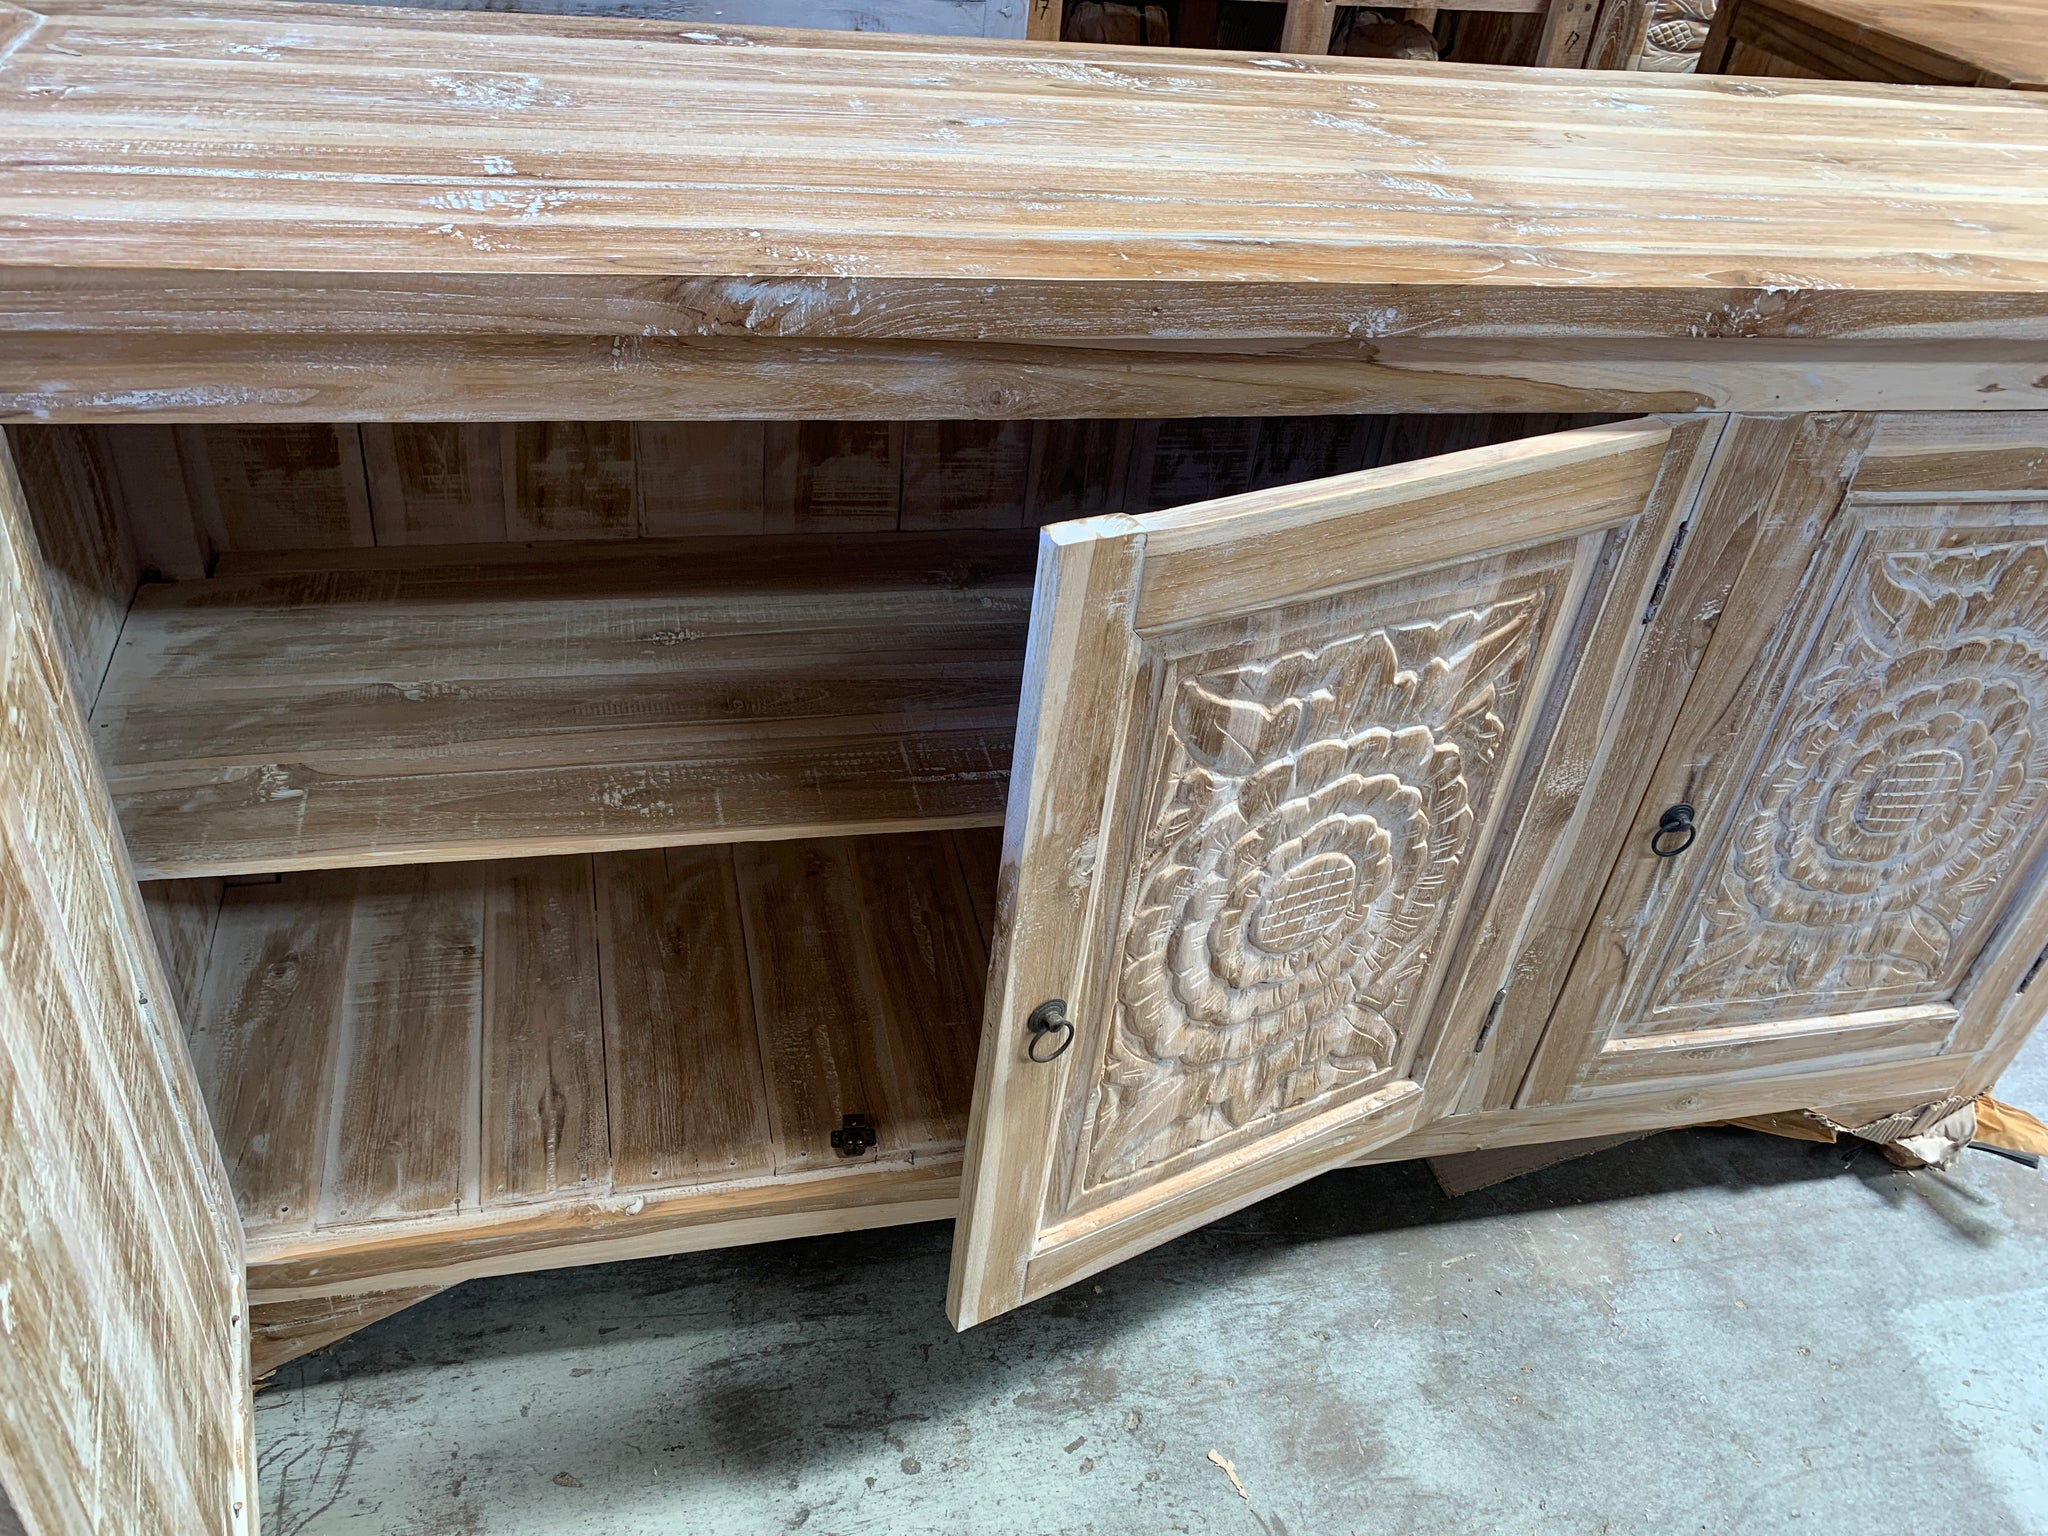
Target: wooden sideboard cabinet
{"x":1996,"y":43}
{"x":624,"y":638}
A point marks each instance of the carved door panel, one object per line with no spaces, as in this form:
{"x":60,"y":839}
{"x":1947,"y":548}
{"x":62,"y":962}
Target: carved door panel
{"x":124,"y":1347}
{"x":1866,"y":754}
{"x":1292,"y":770}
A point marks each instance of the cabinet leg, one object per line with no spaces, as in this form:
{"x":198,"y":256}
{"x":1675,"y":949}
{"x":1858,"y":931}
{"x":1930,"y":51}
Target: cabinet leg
{"x":281,"y":1331}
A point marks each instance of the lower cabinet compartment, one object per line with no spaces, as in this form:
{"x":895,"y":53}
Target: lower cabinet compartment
{"x":423,"y":1073}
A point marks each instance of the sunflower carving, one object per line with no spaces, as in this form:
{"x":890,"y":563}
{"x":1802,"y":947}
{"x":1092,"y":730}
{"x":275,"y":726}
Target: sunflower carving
{"x":1316,"y":811}
{"x":1898,"y":794}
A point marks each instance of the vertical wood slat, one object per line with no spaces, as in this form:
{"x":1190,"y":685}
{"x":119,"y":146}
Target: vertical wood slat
{"x":569,"y":480}
{"x":1174,"y":463}
{"x":687,"y":1099}
{"x":797,"y":900}
{"x":435,"y":482}
{"x":965,"y":474}
{"x":404,"y":1132}
{"x":701,"y":477}
{"x":264,"y":1035}
{"x":926,"y":968}
{"x":867,"y":977}
{"x":182,"y":915}
{"x":281,"y":485}
{"x":1567,"y":34}
{"x":160,"y":501}
{"x":1292,"y":449}
{"x":88,"y":563}
{"x":1078,"y":469}
{"x":546,"y":1126}
{"x":980,"y":851}
{"x":1306,"y":26}
{"x":833,"y":476}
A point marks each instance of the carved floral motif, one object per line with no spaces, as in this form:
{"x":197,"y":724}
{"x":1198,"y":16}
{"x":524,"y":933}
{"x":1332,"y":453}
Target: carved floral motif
{"x":1677,"y":29}
{"x":1319,"y":808}
{"x":1905,"y":781}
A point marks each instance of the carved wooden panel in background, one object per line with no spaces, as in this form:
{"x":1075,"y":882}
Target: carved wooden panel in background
{"x":1897,"y":791}
{"x":1674,"y":33}
{"x":1310,"y":828}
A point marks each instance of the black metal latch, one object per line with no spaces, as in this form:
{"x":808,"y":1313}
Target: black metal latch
{"x":856,"y":1134}
{"x":1675,"y":832}
{"x":1051,"y":1031}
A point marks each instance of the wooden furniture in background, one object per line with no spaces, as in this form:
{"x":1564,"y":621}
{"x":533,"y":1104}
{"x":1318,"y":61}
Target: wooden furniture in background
{"x":1912,"y":42}
{"x":929,"y":18}
{"x":1564,"y":34}
{"x":365,"y":438}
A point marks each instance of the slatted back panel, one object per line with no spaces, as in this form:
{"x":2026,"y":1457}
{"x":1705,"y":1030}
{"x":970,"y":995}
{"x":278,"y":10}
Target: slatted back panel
{"x":193,"y":493}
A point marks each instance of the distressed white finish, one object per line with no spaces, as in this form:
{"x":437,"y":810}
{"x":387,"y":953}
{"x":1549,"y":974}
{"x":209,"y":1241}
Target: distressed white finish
{"x":946,"y":18}
{"x":124,"y":1352}
{"x":1275,"y":752}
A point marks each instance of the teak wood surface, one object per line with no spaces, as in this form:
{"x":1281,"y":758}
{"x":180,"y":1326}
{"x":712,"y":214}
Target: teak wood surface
{"x":394,"y":706}
{"x":1387,"y":745}
{"x":124,"y":1345}
{"x":576,"y":1053}
{"x":290,"y":212}
{"x":1294,"y":772}
{"x":1995,"y":43}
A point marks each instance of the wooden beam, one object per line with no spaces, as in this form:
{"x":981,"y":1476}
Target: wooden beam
{"x":1307,"y":26}
{"x":1567,"y":33}
{"x":466,"y":378}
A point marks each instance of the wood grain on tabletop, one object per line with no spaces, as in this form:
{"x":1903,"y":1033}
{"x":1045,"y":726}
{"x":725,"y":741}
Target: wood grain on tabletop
{"x":560,"y":148}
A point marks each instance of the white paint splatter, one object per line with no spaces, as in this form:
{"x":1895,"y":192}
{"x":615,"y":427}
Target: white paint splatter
{"x":500,"y":93}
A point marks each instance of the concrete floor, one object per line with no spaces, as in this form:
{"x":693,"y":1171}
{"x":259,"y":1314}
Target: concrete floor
{"x":1706,"y":1331}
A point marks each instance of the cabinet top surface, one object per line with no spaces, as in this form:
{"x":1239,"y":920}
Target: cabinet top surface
{"x":2006,"y":39}
{"x":268,"y":137}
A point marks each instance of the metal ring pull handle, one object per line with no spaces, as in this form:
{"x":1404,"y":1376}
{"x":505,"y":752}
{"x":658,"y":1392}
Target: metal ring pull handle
{"x":1049,"y":1020}
{"x":1675,"y":823}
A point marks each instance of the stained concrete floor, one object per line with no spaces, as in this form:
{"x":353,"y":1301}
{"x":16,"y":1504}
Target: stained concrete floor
{"x":1707,"y":1331}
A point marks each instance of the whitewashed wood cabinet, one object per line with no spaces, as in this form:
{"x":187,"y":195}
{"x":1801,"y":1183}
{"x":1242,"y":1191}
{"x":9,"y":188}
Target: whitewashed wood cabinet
{"x":780,"y":666}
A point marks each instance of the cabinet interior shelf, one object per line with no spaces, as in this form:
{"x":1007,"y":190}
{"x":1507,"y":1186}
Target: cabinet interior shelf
{"x":458,"y":1063}
{"x":341,"y":708}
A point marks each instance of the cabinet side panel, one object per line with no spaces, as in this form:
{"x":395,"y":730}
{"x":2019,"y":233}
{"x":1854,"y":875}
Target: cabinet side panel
{"x":125,"y":1352}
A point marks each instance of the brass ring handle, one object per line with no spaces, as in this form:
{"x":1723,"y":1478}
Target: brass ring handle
{"x":1676,"y":822}
{"x":1047,"y":1021}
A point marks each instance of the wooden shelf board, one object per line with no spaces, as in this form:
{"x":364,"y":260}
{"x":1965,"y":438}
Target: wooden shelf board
{"x":409,"y":706}
{"x":417,"y":1069}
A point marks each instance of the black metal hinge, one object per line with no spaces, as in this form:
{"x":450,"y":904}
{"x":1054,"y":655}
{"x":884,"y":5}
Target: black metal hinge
{"x":1664,"y":574}
{"x":2033,"y":970}
{"x":856,"y":1134}
{"x":1492,"y":1018}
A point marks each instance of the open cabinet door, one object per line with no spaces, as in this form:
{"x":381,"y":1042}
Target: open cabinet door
{"x":124,"y":1377}
{"x":1293,"y":771}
